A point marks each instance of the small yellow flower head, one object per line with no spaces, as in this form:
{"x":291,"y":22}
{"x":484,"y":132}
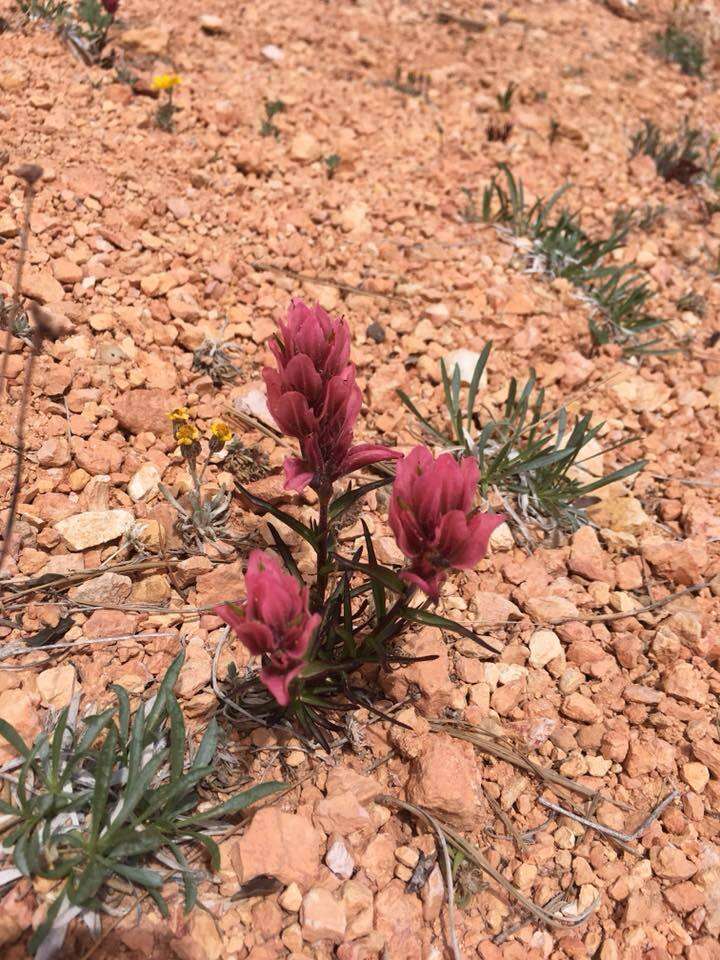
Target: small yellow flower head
{"x":221,"y":432}
{"x":187,"y":434}
{"x":179,"y":415}
{"x":164,"y":81}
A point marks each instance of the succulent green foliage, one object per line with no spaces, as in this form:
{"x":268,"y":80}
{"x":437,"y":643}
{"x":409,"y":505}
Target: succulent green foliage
{"x":111,"y":797}
{"x":560,"y":247}
{"x":268,"y":128}
{"x":505,"y":98}
{"x":677,"y":46}
{"x":528,"y":455}
{"x":675,"y":159}
{"x":44,"y":9}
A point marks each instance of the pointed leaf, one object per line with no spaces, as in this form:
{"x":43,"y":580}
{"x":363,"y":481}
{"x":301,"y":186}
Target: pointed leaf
{"x":159,"y":708}
{"x":239,"y":802}
{"x":177,"y":738}
{"x":435,"y":620}
{"x":302,"y":531}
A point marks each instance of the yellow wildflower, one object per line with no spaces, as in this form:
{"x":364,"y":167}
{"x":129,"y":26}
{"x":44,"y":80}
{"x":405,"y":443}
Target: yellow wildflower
{"x":179,"y":415}
{"x":187,"y":434}
{"x":164,"y":81}
{"x":221,"y":432}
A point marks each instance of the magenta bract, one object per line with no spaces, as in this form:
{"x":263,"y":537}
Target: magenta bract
{"x":275,"y":622}
{"x":432,"y":517}
{"x":111,"y":6}
{"x":313,"y":397}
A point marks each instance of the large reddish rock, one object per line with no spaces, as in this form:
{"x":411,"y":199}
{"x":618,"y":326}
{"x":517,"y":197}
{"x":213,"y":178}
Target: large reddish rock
{"x":281,"y":844}
{"x":444,"y":779}
{"x":225,"y":582}
{"x":588,"y":559}
{"x":341,"y":813}
{"x":144,"y":411}
{"x":398,"y":916}
{"x":17,"y":709}
{"x":430,"y":677}
{"x":682,"y":561}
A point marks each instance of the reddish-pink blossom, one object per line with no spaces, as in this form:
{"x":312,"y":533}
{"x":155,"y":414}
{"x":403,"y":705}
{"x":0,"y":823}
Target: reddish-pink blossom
{"x":313,"y":397}
{"x":432,"y":517}
{"x":274,"y":623}
{"x":111,"y":6}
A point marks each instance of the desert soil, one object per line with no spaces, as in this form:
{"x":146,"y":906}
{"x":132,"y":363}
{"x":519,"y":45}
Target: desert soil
{"x":146,"y":243}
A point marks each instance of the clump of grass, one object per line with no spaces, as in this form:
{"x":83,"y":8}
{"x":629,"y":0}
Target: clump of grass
{"x":103,"y":801}
{"x":505,"y":98}
{"x":528,"y":455}
{"x":202,"y":519}
{"x":693,"y":302}
{"x":246,"y":463}
{"x":560,"y":247}
{"x":410,"y":83}
{"x":498,"y":132}
{"x":677,"y":159}
{"x":213,"y":358}
{"x":268,"y":128}
{"x":644,"y":218}
{"x":48,"y":10}
{"x":332,"y":165}
{"x":679,"y":46}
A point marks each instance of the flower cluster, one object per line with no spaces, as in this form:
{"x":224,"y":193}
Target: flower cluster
{"x":187,"y":435}
{"x":314,"y":398}
{"x":164,"y":81}
{"x":432,"y":517}
{"x":111,"y":6}
{"x":275,"y":622}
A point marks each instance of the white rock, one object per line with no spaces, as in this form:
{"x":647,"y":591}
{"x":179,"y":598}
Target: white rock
{"x":253,"y":401}
{"x":144,"y":482}
{"x":211,"y":24}
{"x":305,"y":146}
{"x":271,"y":52}
{"x":354,"y":217}
{"x":544,"y":646}
{"x":94,"y":527}
{"x":110,"y":588}
{"x":340,"y":860}
{"x":467,"y":361}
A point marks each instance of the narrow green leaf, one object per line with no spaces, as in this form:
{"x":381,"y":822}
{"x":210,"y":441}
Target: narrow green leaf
{"x":620,"y":474}
{"x":378,"y":590}
{"x":405,"y":399}
{"x":103,"y":773}
{"x":159,"y":708}
{"x":57,"y":742}
{"x":302,"y":531}
{"x":189,"y":884}
{"x":10,"y":734}
{"x":212,"y":848}
{"x":285,"y":554}
{"x":93,"y":728}
{"x":382,"y":575}
{"x":150,"y":879}
{"x":475,"y":382}
{"x":89,"y":882}
{"x":239,"y":802}
{"x":177,"y":738}
{"x":44,"y":929}
{"x":435,"y":620}
{"x":133,"y":794}
{"x":347,"y":500}
{"x":208,"y":745}
{"x":123,"y":711}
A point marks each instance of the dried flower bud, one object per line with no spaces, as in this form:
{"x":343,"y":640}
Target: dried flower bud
{"x":29,"y":172}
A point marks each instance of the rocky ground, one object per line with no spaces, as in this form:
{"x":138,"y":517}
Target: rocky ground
{"x":145,"y":243}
